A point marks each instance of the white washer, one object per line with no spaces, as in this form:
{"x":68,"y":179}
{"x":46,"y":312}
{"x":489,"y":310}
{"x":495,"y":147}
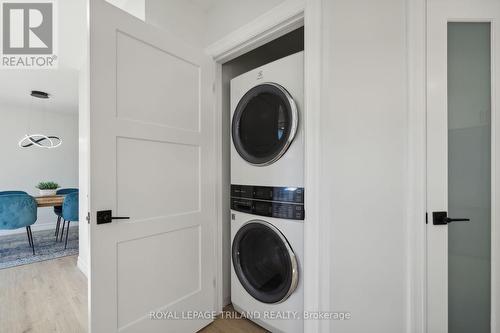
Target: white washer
{"x":266,"y":124}
{"x":266,"y":271}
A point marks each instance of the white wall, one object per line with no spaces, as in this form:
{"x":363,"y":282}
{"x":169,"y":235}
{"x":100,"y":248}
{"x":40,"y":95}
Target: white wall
{"x":84,"y":169}
{"x":23,"y":168}
{"x":71,"y":33}
{"x":133,"y":7}
{"x":200,"y":25}
{"x":364,"y":162}
{"x":181,"y":17}
{"x":230,"y":15}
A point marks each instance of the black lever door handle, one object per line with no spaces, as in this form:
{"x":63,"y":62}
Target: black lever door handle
{"x":441,"y":218}
{"x":106,"y":216}
{"x":449,"y":220}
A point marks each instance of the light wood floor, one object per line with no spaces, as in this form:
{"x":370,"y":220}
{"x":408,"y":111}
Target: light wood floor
{"x":47,"y":296}
{"x":51,"y":296}
{"x":230,"y":325}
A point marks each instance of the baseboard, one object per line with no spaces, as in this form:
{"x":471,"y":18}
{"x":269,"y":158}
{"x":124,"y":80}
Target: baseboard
{"x":83,"y":266}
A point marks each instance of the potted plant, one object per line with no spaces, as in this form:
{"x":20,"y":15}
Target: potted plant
{"x":47,"y":188}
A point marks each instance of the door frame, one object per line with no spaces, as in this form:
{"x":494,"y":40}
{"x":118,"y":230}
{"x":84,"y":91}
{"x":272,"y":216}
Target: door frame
{"x":284,"y":18}
{"x":417,"y":165}
{"x":417,"y":171}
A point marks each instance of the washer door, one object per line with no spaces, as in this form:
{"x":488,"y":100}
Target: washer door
{"x":264,"y":124}
{"x":264,"y":262}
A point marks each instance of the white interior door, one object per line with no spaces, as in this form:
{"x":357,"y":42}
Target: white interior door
{"x":152,"y":159}
{"x":463,"y":147}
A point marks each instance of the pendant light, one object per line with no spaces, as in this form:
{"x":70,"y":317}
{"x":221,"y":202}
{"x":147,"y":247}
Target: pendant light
{"x":40,"y":140}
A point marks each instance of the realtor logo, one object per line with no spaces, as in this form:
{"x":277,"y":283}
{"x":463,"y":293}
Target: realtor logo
{"x":28,"y":34}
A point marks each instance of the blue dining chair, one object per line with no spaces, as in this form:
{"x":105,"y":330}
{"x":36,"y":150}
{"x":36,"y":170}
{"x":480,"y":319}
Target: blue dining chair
{"x":58,"y":209}
{"x":69,"y":212}
{"x":12,"y":192}
{"x":18,"y":211}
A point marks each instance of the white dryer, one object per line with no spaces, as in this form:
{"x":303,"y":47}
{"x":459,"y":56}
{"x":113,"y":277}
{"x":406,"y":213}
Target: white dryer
{"x":267,"y":133}
{"x":266,"y":271}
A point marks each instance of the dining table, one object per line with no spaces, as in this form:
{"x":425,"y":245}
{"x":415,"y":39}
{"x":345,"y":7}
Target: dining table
{"x":49,"y":200}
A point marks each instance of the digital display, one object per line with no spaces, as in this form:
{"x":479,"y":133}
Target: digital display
{"x":263,"y":208}
{"x":282,"y":194}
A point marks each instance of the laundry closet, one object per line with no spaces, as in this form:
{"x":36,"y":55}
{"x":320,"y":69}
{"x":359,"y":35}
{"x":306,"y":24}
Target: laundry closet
{"x":263,"y":168}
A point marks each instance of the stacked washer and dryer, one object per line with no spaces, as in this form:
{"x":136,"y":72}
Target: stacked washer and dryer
{"x":267,"y":194}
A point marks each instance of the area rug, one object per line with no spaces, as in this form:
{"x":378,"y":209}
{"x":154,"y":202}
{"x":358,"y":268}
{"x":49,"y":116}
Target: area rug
{"x":15,"y":250}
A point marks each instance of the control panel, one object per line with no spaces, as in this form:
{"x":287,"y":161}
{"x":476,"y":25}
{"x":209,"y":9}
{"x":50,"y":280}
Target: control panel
{"x":269,"y":193}
{"x":278,"y":202}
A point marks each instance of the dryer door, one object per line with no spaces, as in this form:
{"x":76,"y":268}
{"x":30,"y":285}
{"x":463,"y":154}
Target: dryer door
{"x":264,"y":124}
{"x":264,"y":262}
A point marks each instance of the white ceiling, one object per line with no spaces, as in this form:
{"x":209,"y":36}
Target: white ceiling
{"x":61,"y":83}
{"x":206,"y":5}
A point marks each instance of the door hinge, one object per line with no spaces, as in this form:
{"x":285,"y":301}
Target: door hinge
{"x":426,"y":217}
{"x":88,"y":218}
{"x":213,"y":87}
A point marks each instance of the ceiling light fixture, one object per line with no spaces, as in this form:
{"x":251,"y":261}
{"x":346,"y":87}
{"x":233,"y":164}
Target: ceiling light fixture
{"x":39,"y":94}
{"x":40,"y":140}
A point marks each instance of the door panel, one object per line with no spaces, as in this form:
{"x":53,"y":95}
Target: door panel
{"x":183,"y":272}
{"x":462,"y":144}
{"x":159,"y":81}
{"x":469,"y":176}
{"x":167,"y":190}
{"x":152,"y":159}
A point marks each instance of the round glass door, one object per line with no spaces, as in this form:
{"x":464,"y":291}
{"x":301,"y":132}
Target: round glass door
{"x":264,"y":124}
{"x":264,"y":262}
